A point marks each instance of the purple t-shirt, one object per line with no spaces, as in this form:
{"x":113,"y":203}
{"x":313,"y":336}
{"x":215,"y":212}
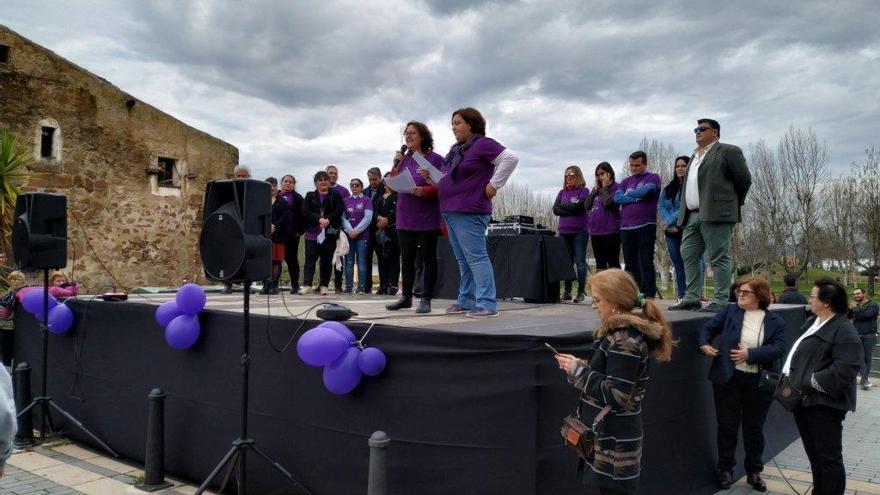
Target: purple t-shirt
{"x":463,"y":190}
{"x":604,"y":221}
{"x":312,"y":233}
{"x":575,"y":223}
{"x":414,"y":212}
{"x":355,"y":209}
{"x":342,"y":190}
{"x":643,"y":211}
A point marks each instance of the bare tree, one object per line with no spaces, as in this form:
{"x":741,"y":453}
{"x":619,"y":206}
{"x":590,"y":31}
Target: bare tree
{"x":517,"y":199}
{"x":842,"y":223}
{"x":767,"y":223}
{"x":866,"y":179}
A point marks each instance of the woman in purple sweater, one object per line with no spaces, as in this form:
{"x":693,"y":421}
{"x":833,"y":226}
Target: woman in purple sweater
{"x":570,"y":208}
{"x":475,"y":168}
{"x":604,"y":218}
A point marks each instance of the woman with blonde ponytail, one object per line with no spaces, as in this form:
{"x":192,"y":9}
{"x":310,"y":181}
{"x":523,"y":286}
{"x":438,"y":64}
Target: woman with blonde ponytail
{"x":616,"y":375}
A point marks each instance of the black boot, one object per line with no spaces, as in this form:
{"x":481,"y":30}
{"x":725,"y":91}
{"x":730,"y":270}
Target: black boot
{"x":403,"y":302}
{"x":424,"y":306}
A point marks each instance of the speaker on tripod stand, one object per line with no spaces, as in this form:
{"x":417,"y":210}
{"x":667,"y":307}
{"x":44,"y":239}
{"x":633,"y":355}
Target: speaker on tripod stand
{"x":39,"y":241}
{"x":235,"y":246}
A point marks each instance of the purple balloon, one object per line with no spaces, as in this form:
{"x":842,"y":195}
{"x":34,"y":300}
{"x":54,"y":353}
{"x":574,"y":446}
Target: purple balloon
{"x":166,"y":312}
{"x":321,"y":346}
{"x":183,"y":331}
{"x":190,"y":299}
{"x":32,"y":301}
{"x":372,"y":361}
{"x":340,"y":329}
{"x":60,"y":319}
{"x":343,"y":375}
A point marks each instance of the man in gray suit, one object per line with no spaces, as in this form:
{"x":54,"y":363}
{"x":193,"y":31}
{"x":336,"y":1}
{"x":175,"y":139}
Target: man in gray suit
{"x":715,"y":187}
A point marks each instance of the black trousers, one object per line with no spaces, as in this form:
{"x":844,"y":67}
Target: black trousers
{"x":638,"y":256}
{"x":323,"y":254}
{"x":389,"y":263}
{"x":291,"y":257}
{"x":821,"y":429}
{"x":371,"y":249}
{"x":739,"y":402}
{"x":423,"y":243}
{"x":868,"y":342}
{"x":606,"y":250}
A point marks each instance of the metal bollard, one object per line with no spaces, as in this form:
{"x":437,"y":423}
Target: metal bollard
{"x":154,"y":458}
{"x":25,"y":434}
{"x":377,"y":483}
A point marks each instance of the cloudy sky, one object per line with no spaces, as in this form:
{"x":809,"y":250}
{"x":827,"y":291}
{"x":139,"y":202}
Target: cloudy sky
{"x":299,"y":84}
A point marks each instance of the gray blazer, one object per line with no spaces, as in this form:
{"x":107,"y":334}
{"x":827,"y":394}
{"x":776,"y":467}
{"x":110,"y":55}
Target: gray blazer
{"x":724,"y":181}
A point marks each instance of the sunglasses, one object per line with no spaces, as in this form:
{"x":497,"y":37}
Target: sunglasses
{"x":700,"y":129}
{"x":569,"y":175}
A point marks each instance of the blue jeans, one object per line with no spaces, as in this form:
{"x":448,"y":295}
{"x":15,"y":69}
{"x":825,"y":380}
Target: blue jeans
{"x":638,"y":256}
{"x":356,"y":248}
{"x":577,"y":251}
{"x":467,"y":236}
{"x":673,"y":244}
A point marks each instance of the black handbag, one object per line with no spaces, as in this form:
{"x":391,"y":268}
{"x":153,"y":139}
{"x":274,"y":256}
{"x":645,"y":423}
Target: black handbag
{"x":787,"y":394}
{"x":768,"y":381}
{"x":580,"y":437}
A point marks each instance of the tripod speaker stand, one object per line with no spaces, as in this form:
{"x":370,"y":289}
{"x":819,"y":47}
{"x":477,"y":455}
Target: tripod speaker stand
{"x":235,"y":246}
{"x":39,"y":240}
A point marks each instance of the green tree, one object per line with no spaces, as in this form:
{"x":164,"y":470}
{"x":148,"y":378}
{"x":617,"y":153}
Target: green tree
{"x":14,"y":159}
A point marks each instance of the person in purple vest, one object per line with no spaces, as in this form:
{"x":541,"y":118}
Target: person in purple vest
{"x":475,"y":168}
{"x":418,"y":219}
{"x":322,"y":215}
{"x":637,"y":197}
{"x":356,"y":223}
{"x":294,"y":228}
{"x":570,"y":208}
{"x":333,"y":172}
{"x":604,"y":218}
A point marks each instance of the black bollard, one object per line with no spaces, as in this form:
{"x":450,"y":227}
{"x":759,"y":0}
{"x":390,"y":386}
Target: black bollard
{"x":154,"y":459}
{"x":25,"y":435}
{"x":377,"y":483}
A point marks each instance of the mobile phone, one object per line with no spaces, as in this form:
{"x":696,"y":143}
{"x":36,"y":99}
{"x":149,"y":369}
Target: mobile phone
{"x":551,"y":348}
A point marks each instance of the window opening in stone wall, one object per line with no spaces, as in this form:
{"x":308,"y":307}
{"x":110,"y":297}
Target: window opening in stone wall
{"x":4,"y":54}
{"x":168,"y":176}
{"x":46,"y":142}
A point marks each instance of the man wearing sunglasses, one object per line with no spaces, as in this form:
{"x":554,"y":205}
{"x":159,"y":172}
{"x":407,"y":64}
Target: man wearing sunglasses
{"x":715,"y":187}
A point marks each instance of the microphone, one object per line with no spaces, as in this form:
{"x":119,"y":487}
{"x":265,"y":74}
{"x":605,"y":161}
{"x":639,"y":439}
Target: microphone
{"x":402,"y":152}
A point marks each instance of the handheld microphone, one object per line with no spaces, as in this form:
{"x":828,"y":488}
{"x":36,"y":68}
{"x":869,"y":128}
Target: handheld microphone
{"x":402,"y":152}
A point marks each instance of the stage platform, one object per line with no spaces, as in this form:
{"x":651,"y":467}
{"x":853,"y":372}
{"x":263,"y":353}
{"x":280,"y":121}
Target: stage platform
{"x":471,"y":406}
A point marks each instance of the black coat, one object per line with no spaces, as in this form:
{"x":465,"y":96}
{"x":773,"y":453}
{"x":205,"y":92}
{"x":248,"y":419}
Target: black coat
{"x":280,"y":214}
{"x":864,"y":318}
{"x":728,"y":323}
{"x":791,"y":296}
{"x":385,"y":207}
{"x":833,"y":355}
{"x":332,"y":208}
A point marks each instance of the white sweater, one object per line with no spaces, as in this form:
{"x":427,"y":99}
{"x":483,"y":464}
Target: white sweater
{"x":7,"y":416}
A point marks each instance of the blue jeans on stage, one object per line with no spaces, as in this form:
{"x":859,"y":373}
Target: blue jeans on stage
{"x":577,"y":251}
{"x":467,"y":236}
{"x":673,"y":245}
{"x":356,"y":248}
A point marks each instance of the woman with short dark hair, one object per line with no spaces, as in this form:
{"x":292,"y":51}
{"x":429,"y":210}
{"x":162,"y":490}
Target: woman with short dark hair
{"x":322,"y":212}
{"x":822,"y":365}
{"x":749,"y":338}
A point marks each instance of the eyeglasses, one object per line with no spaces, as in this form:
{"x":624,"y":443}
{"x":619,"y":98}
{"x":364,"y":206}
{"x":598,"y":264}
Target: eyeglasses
{"x":355,"y":184}
{"x":740,"y":292}
{"x":813,"y":297}
{"x":700,"y":129}
{"x":569,"y":175}
{"x":411,"y":134}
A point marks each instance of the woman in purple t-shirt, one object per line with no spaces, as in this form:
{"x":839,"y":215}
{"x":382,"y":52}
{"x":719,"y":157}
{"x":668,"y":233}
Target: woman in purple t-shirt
{"x":475,"y":168}
{"x":570,"y":207}
{"x":418,"y":219}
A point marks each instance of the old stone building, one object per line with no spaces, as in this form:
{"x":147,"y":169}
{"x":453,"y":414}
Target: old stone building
{"x":134,"y":176}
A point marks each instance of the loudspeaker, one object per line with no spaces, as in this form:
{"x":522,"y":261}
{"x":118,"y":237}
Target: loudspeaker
{"x":235,"y":243}
{"x":39,"y":231}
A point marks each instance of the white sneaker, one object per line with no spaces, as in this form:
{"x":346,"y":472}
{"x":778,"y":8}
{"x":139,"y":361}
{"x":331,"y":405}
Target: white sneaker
{"x":324,"y":291}
{"x":305,"y":290}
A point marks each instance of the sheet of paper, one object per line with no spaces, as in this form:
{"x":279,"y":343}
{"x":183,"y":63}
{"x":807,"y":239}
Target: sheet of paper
{"x":435,"y":174}
{"x":402,"y":182}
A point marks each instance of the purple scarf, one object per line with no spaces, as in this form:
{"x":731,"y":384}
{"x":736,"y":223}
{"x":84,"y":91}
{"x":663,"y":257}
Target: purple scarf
{"x":456,"y":153}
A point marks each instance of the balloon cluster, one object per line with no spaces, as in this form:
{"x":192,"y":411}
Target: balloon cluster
{"x":180,"y":317}
{"x":60,"y":316}
{"x":332,"y":345}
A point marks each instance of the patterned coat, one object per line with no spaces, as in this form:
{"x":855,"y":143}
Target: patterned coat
{"x":616,"y":374}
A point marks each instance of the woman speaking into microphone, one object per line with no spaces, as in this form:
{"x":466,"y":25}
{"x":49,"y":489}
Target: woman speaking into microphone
{"x":475,"y":168}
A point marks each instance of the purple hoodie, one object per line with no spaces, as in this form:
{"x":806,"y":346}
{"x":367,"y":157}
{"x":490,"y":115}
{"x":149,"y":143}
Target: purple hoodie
{"x":575,"y":223}
{"x":602,"y":220}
